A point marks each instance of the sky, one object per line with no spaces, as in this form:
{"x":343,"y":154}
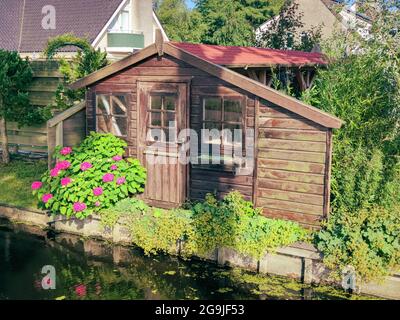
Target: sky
{"x":190,"y":3}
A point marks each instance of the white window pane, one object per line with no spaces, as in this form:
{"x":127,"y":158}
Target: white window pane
{"x":103,"y":105}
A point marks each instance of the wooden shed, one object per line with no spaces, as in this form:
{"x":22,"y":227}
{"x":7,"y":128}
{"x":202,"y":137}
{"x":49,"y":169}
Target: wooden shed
{"x":290,"y":141}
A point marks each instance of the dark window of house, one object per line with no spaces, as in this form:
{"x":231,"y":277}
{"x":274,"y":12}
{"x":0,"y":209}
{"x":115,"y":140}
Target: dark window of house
{"x":162,"y":117}
{"x":112,"y":114}
{"x":226,"y":115}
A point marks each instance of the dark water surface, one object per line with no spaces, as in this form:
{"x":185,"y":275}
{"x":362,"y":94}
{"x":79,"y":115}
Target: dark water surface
{"x":89,"y":269}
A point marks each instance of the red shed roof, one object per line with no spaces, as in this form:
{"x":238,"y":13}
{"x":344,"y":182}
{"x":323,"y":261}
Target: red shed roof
{"x":250,"y":56}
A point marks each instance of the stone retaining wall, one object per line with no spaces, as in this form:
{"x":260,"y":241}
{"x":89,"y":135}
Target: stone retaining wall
{"x":300,"y":261}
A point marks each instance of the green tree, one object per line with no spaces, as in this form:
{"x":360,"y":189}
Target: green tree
{"x":180,"y":23}
{"x":233,"y":22}
{"x":285,"y":31}
{"x":15,"y":78}
{"x":228,"y":22}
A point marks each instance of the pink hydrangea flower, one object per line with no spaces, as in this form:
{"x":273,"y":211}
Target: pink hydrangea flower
{"x":54,"y":172}
{"x":121,"y":180}
{"x":79,"y":207}
{"x":97,"y":204}
{"x":66,"y":151}
{"x":98,"y":191}
{"x":86,"y":165}
{"x":114,"y":167}
{"x":80,"y":290}
{"x":65,"y":181}
{"x":62,"y":165}
{"x":46,"y":197}
{"x":108,"y":177}
{"x":117,"y":158}
{"x":36,"y":185}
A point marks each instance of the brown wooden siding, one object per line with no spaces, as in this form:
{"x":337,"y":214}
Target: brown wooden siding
{"x":292,"y":166}
{"x":202,"y":84}
{"x":205,"y":179}
{"x":292,"y":153}
{"x":74,"y":129}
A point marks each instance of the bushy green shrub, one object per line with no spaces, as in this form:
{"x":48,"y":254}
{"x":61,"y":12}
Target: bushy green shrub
{"x":152,"y":229}
{"x":232,"y":222}
{"x":89,"y":178}
{"x":235,"y":223}
{"x":362,"y":87}
{"x":160,"y":230}
{"x":368,"y":240}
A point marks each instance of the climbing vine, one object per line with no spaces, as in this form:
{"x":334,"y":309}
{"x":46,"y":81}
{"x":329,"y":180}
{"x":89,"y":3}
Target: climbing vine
{"x":86,"y":61}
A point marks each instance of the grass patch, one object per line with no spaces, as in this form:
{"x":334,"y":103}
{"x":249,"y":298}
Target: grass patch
{"x":15,"y":182}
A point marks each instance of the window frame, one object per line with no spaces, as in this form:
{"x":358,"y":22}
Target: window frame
{"x":162,"y":112}
{"x":242,"y":100}
{"x":112,"y":115}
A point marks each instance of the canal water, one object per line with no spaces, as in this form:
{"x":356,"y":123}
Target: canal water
{"x":95,"y":270}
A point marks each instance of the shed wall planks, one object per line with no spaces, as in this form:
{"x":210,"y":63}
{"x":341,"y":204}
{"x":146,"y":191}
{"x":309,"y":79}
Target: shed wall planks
{"x":292,"y":166}
{"x":292,"y":154}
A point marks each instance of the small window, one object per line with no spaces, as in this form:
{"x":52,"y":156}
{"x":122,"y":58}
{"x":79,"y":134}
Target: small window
{"x":162,"y":117}
{"x":111,"y":114}
{"x":225,"y":115}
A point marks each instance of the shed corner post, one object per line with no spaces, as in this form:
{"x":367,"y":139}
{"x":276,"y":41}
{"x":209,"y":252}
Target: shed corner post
{"x":51,"y":144}
{"x":328,"y":171}
{"x":256,"y":133}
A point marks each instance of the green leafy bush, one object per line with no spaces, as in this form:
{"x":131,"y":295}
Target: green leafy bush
{"x":89,"y":178}
{"x":232,"y":222}
{"x":362,"y":87}
{"x":235,"y":223}
{"x":368,"y":240}
{"x":152,"y":229}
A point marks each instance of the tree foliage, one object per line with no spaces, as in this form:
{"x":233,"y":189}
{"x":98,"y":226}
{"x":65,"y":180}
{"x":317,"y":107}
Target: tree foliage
{"x":362,"y":87}
{"x":15,"y":78}
{"x":228,"y":22}
{"x":286,"y":31}
{"x":180,"y":23}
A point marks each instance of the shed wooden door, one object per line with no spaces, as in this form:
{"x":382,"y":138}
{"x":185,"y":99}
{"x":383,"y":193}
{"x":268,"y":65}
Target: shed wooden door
{"x":162,"y":115}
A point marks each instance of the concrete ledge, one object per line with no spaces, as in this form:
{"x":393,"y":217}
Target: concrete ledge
{"x":37,"y":218}
{"x":300,"y":261}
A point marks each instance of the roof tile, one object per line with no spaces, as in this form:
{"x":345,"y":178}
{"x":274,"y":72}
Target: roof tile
{"x":242,"y":56}
{"x":84,"y":18}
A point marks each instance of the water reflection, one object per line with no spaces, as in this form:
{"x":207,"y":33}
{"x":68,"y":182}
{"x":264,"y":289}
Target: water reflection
{"x":89,"y":269}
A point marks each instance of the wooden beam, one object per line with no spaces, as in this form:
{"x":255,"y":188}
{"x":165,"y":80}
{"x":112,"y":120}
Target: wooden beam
{"x":301,"y":80}
{"x":60,"y":134}
{"x":328,"y":169}
{"x":263,"y":76}
{"x":253,"y":75}
{"x":256,"y":139}
{"x":256,"y":88}
{"x":51,"y":145}
{"x":159,"y":42}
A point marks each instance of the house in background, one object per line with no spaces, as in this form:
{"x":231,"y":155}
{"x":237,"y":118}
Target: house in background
{"x":119,"y":27}
{"x":330,"y":15}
